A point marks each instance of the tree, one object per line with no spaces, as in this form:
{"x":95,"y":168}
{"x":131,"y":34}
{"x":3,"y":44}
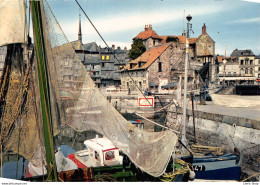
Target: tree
{"x":137,"y":49}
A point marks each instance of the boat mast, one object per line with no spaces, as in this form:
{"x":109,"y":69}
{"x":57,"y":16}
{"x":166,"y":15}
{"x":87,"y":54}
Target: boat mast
{"x":37,"y":19}
{"x":183,"y":137}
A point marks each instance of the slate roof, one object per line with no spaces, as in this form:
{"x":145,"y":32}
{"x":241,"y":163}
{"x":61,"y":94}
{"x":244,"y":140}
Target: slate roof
{"x":147,"y":58}
{"x":91,"y":47}
{"x":237,"y":53}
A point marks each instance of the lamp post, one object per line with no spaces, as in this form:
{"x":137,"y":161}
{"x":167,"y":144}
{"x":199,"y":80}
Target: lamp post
{"x":224,"y":62}
{"x":183,"y":137}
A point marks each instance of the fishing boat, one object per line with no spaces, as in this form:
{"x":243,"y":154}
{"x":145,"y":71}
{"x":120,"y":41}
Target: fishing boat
{"x":33,"y":109}
{"x":99,"y":152}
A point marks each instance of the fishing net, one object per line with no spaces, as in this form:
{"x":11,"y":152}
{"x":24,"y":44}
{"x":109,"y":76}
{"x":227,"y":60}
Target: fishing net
{"x":81,"y":105}
{"x":19,"y":124}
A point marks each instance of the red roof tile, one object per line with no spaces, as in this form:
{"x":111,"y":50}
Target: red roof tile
{"x":147,"y":34}
{"x":181,"y":38}
{"x":147,"y":57}
{"x":221,"y":58}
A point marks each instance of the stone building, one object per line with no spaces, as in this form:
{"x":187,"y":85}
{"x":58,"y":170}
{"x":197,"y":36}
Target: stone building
{"x":228,"y":70}
{"x":201,"y":53}
{"x":3,"y":52}
{"x":103,"y":64}
{"x":246,"y":60}
{"x":149,"y":71}
{"x":257,"y":69}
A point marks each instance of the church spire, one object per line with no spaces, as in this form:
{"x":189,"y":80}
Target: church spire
{"x":79,"y":34}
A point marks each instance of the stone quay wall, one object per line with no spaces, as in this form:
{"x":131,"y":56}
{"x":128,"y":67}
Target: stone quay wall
{"x":223,"y":130}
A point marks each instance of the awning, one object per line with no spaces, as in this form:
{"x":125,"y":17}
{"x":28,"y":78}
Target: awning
{"x":151,"y":84}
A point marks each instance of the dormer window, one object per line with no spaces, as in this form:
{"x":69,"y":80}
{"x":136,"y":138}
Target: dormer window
{"x":132,"y":65}
{"x":141,"y":63}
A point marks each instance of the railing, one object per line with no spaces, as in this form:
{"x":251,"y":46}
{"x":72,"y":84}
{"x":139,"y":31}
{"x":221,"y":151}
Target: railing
{"x":235,"y":75}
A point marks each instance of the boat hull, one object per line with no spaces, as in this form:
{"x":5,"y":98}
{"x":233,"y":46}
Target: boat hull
{"x":226,"y":167}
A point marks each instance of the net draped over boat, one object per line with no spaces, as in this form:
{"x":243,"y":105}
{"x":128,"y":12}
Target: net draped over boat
{"x":83,"y":107}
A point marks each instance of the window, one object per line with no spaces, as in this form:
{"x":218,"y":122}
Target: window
{"x":107,"y":57}
{"x":234,"y":73}
{"x":109,"y":155}
{"x":251,"y":62}
{"x":102,"y":64}
{"x":154,"y":42}
{"x":242,"y":62}
{"x":258,"y":61}
{"x":251,"y":71}
{"x":159,"y":67}
{"x":246,"y":71}
{"x":258,"y":68}
{"x":103,"y":57}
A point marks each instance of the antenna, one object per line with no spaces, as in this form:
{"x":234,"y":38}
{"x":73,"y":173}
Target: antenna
{"x":183,"y":20}
{"x":225,"y":51}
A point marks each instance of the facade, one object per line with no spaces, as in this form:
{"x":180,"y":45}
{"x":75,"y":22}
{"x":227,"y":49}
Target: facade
{"x":3,"y":52}
{"x":103,"y":64}
{"x":201,"y":54}
{"x":246,"y":60}
{"x":149,"y":71}
{"x":239,"y":68}
{"x":257,"y":69}
{"x":228,"y":70}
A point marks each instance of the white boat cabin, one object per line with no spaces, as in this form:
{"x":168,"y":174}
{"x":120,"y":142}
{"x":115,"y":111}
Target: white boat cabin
{"x":99,"y":152}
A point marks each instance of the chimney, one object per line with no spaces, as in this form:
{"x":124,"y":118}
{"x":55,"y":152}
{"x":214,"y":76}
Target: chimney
{"x":150,"y":27}
{"x":204,"y":29}
{"x":113,"y":47}
{"x":118,"y":48}
{"x":145,"y":27}
{"x":125,"y":48}
{"x":183,"y":33}
{"x":99,"y":48}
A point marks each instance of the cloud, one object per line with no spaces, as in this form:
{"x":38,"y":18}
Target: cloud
{"x":249,"y":20}
{"x":253,"y":1}
{"x":132,"y":21}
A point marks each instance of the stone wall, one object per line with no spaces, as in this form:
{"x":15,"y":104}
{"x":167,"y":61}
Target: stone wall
{"x":223,"y":130}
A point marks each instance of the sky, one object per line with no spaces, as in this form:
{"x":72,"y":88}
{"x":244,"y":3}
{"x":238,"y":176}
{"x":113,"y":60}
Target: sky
{"x":232,"y":24}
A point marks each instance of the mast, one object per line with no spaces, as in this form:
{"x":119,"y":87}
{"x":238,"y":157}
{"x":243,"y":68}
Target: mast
{"x":37,"y":19}
{"x":183,"y":137}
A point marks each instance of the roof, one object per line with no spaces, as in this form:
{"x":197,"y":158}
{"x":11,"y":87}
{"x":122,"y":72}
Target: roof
{"x":147,"y":58}
{"x":91,"y":47}
{"x":221,"y":58}
{"x":148,"y":33}
{"x":181,"y":38}
{"x":238,"y":53}
{"x":99,"y":144}
{"x":77,"y":45}
{"x":207,"y":53}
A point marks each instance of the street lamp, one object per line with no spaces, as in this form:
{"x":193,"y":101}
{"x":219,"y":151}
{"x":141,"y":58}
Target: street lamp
{"x":189,"y":17}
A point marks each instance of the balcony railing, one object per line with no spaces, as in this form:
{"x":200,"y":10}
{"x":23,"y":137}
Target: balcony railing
{"x":235,"y":75}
